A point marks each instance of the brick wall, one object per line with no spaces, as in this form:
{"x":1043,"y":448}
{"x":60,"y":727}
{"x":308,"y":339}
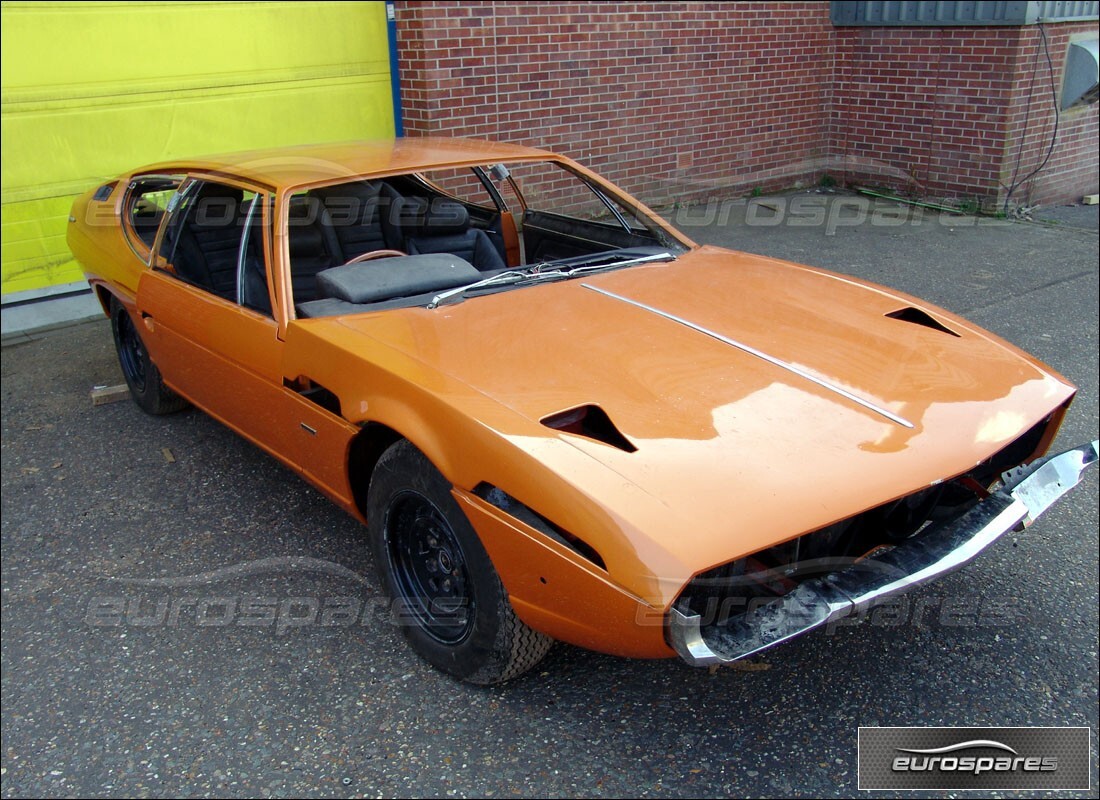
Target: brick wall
{"x":922,"y":109}
{"x":679,"y":100}
{"x":667,"y":99}
{"x":950,"y":112}
{"x":1073,"y":167}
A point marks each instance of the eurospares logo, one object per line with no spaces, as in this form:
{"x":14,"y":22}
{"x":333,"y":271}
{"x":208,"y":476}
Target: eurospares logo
{"x":950,"y":759}
{"x":974,"y":758}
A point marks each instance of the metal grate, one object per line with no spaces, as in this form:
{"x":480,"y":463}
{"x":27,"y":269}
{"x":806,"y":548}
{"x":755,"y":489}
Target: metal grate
{"x":947,"y":13}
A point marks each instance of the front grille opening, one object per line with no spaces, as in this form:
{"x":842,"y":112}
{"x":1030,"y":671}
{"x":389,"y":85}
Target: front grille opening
{"x":733,"y":588}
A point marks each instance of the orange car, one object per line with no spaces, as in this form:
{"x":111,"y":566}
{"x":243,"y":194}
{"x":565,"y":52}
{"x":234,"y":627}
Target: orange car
{"x":558,"y":417}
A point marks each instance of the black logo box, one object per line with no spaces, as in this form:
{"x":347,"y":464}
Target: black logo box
{"x":1037,"y":758}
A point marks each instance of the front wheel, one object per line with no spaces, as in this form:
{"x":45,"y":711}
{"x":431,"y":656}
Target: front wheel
{"x":142,"y":375}
{"x":448,"y":599}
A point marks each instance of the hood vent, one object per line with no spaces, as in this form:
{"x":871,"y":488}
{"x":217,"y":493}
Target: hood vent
{"x":592,"y":422}
{"x":918,"y":317}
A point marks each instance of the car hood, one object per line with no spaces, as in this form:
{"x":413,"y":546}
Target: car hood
{"x":760,"y":399}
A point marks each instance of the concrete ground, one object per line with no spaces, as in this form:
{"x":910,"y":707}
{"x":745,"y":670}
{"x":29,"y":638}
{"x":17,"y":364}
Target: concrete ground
{"x":113,"y":687}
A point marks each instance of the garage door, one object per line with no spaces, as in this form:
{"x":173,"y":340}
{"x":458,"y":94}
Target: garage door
{"x":92,"y":89}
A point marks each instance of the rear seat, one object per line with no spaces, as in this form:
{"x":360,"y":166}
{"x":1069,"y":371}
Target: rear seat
{"x":443,"y":226}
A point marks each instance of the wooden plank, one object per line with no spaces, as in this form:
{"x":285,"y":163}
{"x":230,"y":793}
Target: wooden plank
{"x":102,"y":395}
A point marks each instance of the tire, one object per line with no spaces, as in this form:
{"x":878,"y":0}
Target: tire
{"x":448,"y":598}
{"x":142,"y":376}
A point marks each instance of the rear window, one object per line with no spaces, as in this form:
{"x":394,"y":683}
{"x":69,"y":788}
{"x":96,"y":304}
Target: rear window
{"x":143,"y":209}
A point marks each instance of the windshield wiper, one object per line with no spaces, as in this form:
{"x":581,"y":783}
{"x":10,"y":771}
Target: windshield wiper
{"x":603,"y":263}
{"x":500,"y":279}
{"x":539,"y":273}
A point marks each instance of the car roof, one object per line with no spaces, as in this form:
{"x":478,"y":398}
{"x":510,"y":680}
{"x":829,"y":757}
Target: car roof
{"x":281,"y":167}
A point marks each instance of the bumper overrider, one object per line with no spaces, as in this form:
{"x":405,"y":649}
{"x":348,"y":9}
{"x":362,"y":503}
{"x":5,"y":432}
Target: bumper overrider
{"x":1025,"y":493}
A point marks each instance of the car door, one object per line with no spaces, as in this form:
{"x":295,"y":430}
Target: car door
{"x":207,"y":310}
{"x":320,"y":433}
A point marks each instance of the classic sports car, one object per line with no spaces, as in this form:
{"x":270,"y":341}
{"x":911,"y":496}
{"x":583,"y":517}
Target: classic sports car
{"x":557,"y":416}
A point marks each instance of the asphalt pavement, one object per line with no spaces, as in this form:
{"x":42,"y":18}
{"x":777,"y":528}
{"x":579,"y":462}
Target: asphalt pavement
{"x":284,"y":678}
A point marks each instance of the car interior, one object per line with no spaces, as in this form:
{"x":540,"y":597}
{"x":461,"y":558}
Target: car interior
{"x":369,"y":245}
{"x":203,"y":243}
{"x":412,"y":216}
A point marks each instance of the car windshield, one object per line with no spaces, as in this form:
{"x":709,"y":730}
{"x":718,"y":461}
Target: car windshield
{"x":371,"y":245}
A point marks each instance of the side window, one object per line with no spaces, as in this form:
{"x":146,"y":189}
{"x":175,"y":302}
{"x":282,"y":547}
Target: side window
{"x":252,"y":289}
{"x":550,"y":188}
{"x":143,"y":208}
{"x":462,"y":184}
{"x":213,"y":240}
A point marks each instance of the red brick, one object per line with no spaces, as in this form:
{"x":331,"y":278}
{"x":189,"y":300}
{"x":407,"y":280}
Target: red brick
{"x":759,"y":94}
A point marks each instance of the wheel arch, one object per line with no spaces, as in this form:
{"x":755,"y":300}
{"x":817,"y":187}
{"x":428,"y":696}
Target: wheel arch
{"x":108,"y":293}
{"x":427,"y":424}
{"x":554,"y":591}
{"x":105,"y":297}
{"x":366,"y":448}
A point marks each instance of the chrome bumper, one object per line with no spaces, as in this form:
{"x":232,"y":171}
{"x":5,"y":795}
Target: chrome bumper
{"x":1027,"y":492}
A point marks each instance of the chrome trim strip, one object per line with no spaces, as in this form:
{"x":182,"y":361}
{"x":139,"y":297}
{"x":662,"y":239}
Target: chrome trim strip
{"x":1027,"y":493}
{"x":759,"y":354}
{"x":241,"y":250}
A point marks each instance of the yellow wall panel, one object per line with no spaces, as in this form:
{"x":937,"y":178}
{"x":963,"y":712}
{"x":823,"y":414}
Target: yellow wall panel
{"x":92,"y":89}
{"x":34,"y":253}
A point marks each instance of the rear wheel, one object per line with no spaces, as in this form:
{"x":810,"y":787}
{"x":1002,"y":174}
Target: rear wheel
{"x":449,"y":601}
{"x":142,"y":375}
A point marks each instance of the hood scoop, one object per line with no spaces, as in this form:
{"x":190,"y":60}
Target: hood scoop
{"x":918,"y":317}
{"x":592,"y":422}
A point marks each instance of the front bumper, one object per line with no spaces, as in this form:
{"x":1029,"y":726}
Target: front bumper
{"x":1027,"y":492}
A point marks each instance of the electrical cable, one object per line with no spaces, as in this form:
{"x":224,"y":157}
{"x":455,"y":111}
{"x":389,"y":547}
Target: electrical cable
{"x":1054,"y":136}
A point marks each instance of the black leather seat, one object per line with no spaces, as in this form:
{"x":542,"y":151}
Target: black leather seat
{"x":360,"y":215}
{"x":443,"y":226}
{"x":313,"y":245}
{"x":209,"y":240}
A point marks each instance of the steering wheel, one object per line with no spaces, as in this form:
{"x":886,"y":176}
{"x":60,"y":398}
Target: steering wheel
{"x":373,"y":254}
